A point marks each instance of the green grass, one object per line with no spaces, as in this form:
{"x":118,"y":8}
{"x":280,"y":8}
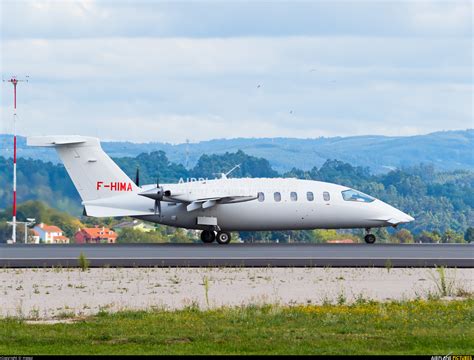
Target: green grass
{"x":416,"y":327}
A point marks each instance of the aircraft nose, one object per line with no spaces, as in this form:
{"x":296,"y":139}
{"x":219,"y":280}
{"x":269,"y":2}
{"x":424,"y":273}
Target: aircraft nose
{"x":394,"y":216}
{"x":399,"y":217}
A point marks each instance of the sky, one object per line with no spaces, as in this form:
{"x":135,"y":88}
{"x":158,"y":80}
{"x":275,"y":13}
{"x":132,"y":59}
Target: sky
{"x":162,"y":71}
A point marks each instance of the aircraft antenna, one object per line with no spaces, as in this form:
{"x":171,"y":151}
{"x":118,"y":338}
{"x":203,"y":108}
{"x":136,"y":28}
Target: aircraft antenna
{"x":14,"y":81}
{"x":224,"y":175}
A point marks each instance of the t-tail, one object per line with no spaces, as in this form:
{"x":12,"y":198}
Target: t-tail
{"x":95,"y":175}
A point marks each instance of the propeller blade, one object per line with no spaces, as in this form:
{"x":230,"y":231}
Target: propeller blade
{"x":158,"y":197}
{"x":137,"y":176}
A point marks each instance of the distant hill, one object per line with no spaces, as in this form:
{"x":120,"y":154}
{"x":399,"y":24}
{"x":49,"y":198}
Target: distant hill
{"x":446,"y":150}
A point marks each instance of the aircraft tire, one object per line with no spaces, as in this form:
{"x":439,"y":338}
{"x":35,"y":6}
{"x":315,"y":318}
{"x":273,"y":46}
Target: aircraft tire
{"x":223,"y":237}
{"x":369,"y":238}
{"x":208,"y":236}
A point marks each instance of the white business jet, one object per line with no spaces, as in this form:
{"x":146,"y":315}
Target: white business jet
{"x":218,"y":206}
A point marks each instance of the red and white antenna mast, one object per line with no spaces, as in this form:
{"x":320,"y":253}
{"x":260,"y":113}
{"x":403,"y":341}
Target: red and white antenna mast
{"x":15,"y":82}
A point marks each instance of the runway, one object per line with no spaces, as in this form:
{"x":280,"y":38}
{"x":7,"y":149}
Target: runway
{"x":246,"y":255}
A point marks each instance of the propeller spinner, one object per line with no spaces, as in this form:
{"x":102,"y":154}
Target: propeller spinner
{"x":157,"y":194}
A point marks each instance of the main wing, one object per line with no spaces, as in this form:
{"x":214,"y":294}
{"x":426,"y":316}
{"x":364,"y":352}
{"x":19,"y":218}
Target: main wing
{"x":210,"y":202}
{"x":195,"y":201}
{"x":127,"y":204}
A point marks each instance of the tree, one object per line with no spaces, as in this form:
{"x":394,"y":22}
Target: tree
{"x":5,"y":232}
{"x":211,"y":166}
{"x":152,"y":166}
{"x":339,"y":172}
{"x":382,"y":235}
{"x":179,"y":236}
{"x":322,"y":236}
{"x":469,"y":235}
{"x":429,"y":237}
{"x":255,"y":236}
{"x":404,"y":236}
{"x":451,"y":236}
{"x":129,"y":235}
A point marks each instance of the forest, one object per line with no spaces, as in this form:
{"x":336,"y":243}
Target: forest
{"x":441,"y":201}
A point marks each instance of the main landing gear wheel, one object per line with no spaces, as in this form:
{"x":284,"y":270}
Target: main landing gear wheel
{"x":208,"y":236}
{"x":370,"y":238}
{"x":223,"y":237}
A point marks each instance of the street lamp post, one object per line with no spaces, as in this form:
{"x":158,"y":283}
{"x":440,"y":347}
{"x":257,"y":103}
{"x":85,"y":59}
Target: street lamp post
{"x":29,"y":221}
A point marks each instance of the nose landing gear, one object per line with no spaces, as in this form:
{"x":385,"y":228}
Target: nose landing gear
{"x":222,"y":237}
{"x":369,"y":238}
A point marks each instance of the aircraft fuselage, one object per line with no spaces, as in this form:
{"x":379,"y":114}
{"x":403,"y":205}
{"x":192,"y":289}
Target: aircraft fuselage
{"x":303,"y":204}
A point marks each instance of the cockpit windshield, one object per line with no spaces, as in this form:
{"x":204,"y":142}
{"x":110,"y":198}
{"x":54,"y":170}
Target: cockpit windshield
{"x":354,"y":195}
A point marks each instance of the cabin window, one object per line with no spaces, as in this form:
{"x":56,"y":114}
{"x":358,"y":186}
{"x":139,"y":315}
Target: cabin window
{"x":354,"y":195}
{"x":261,"y":196}
{"x":293,"y":196}
{"x":277,"y":196}
{"x":310,"y":196}
{"x":326,"y":196}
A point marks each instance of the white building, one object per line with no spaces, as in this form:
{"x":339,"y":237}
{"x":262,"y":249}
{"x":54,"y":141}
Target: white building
{"x":50,"y":234}
{"x":35,"y":238}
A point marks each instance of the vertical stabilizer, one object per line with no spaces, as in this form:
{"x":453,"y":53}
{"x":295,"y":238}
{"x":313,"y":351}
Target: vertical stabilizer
{"x":93,"y":172}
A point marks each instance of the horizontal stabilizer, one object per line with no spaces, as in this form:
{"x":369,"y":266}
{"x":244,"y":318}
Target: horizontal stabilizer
{"x":57,"y":140}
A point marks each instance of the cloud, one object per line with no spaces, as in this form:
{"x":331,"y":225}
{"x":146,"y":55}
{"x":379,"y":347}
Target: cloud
{"x":73,"y":19}
{"x":129,"y":72}
{"x":441,"y":18}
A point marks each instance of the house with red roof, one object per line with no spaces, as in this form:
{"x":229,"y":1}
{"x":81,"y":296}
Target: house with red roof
{"x":50,"y":234}
{"x":96,"y":235}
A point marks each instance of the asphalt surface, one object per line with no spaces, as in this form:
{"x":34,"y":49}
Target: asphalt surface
{"x":248,"y":255}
